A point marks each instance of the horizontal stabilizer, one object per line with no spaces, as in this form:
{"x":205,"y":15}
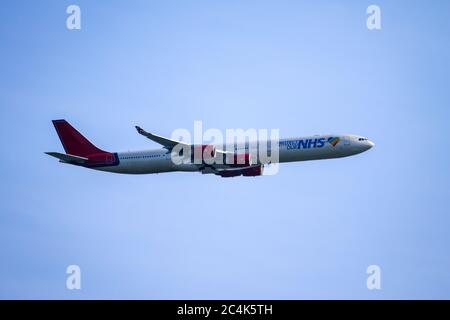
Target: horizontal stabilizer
{"x":67,"y":157}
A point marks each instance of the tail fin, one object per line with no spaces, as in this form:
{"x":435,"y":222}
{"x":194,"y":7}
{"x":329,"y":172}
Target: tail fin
{"x":73,"y":142}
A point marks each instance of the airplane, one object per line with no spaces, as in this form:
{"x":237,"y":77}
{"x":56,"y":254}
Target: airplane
{"x":81,"y":152}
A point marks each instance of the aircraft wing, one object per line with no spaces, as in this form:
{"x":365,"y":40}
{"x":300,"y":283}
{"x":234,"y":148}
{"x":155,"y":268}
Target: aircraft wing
{"x":224,"y":170}
{"x":170,"y":144}
{"x":166,"y":142}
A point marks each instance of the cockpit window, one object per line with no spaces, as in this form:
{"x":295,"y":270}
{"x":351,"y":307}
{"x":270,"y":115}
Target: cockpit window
{"x":362,"y":139}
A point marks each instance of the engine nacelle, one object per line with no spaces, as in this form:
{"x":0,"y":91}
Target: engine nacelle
{"x":253,"y":171}
{"x":247,"y":172}
{"x":239,"y":160}
{"x":230,"y":173}
{"x":203,"y":153}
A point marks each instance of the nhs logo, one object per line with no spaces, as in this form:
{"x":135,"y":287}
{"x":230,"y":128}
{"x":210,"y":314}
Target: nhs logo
{"x":303,"y":143}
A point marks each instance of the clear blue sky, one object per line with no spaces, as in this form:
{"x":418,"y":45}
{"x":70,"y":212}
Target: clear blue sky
{"x":303,"y":67}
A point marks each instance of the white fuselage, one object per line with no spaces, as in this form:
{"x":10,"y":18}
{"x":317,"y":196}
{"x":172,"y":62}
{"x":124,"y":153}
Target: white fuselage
{"x":291,"y":149}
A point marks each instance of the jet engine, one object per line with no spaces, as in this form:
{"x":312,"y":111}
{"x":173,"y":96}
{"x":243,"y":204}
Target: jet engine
{"x":247,"y":172}
{"x":253,"y":171}
{"x":239,"y":160}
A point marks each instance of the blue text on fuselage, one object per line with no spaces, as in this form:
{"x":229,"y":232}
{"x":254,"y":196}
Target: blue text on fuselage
{"x":303,"y":143}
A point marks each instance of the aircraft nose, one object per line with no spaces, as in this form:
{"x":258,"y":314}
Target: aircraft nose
{"x":369,"y":144}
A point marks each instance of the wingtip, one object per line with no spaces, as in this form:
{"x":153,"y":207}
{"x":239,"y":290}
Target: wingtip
{"x":139,"y":129}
